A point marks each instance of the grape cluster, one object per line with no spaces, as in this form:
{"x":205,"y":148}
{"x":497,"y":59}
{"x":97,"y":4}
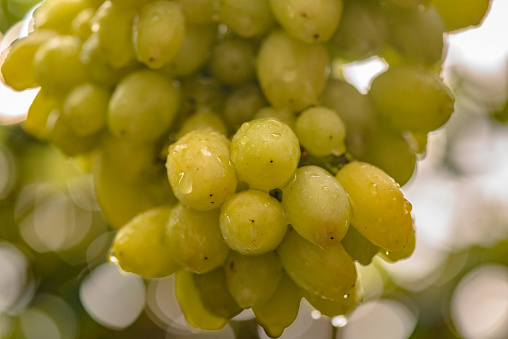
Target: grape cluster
{"x":227,"y":149}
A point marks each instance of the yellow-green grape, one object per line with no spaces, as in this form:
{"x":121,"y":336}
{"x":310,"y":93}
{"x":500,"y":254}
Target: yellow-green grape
{"x":134,"y":161}
{"x":362,"y":31}
{"x":199,"y":169}
{"x":308,"y":21}
{"x":130,"y":3}
{"x":359,"y":248}
{"x":265,"y":153}
{"x":411,"y":98}
{"x":321,"y":131}
{"x":215,"y":296}
{"x":343,"y":306}
{"x":143,"y":106}
{"x":114,"y":25}
{"x":417,"y":141}
{"x":292,"y":73}
{"x":62,"y":135}
{"x":85,"y":107}
{"x":36,"y":122}
{"x":193,"y":52}
{"x":199,"y":11}
{"x":317,"y":206}
{"x":193,"y":308}
{"x":281,"y":309}
{"x":409,"y":3}
{"x":247,"y":18}
{"x":139,"y":246}
{"x":381,"y":213}
{"x":233,"y":61}
{"x":80,"y":26}
{"x":253,"y":280}
{"x":418,"y":34}
{"x":392,"y":153}
{"x":328,"y":273}
{"x":57,"y":64}
{"x":98,"y":70}
{"x":58,"y":15}
{"x":459,"y":14}
{"x":242,"y":104}
{"x":158,"y":33}
{"x":284,"y":115}
{"x":355,"y":110}
{"x":203,"y":119}
{"x":405,"y":253}
{"x":195,"y":239}
{"x":201,"y":90}
{"x":120,"y":199}
{"x":17,"y":69}
{"x":252,"y":222}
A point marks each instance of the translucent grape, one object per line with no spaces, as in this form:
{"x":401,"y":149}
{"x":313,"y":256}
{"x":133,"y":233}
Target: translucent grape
{"x":233,"y":61}
{"x":359,"y":248}
{"x":247,"y":18}
{"x":459,"y":14}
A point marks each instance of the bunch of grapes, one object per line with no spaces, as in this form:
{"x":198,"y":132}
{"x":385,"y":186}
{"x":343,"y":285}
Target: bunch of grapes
{"x":227,"y":149}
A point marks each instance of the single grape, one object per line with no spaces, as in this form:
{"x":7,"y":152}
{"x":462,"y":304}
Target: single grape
{"x":458,"y":14}
{"x":36,"y":122}
{"x":199,"y":12}
{"x":405,"y":253}
{"x":139,"y":246}
{"x":284,"y":115}
{"x":195,"y":239}
{"x":246,"y":18}
{"x":241,"y":105}
{"x":265,"y":153}
{"x":202,"y":119}
{"x":358,"y":247}
{"x":252,"y":222}
{"x":233,"y":61}
{"x":332,"y":308}
{"x":57,"y":15}
{"x":199,"y":169}
{"x":317,"y":206}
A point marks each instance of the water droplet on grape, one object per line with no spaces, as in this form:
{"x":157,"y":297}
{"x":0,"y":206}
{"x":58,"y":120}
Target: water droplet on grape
{"x":315,"y":314}
{"x":244,"y":140}
{"x":407,"y":207}
{"x":339,"y":321}
{"x":373,"y":188}
{"x":185,"y":183}
{"x":112,"y":258}
{"x":325,"y":188}
{"x":276,"y":136}
{"x":256,"y":126}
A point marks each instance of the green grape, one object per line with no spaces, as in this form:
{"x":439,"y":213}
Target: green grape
{"x":193,"y":308}
{"x":381,"y":213}
{"x":200,"y":171}
{"x":199,"y":12}
{"x":214,"y":293}
{"x":63,"y":136}
{"x":252,"y":222}
{"x":459,"y":14}
{"x":292,"y":73}
{"x":359,"y":248}
{"x":362,"y":32}
{"x":409,"y":3}
{"x":355,"y":110}
{"x":317,"y":206}
{"x":201,"y":90}
{"x":242,"y":104}
{"x":203,"y":119}
{"x":321,"y":131}
{"x":57,"y":64}
{"x":308,"y":21}
{"x":405,"y":253}
{"x":134,"y":161}
{"x":98,"y":69}
{"x":332,"y":308}
{"x":193,"y":52}
{"x":17,"y":69}
{"x":233,"y":61}
{"x":85,"y":107}
{"x":281,"y":309}
{"x":392,"y":153}
{"x":58,"y":15}
{"x":418,"y":34}
{"x":284,"y":115}
{"x":158,"y":33}
{"x":36,"y":122}
{"x":195,"y":239}
{"x":328,"y":273}
{"x":417,"y":141}
{"x":121,"y":200}
{"x":80,"y":26}
{"x":139,"y":246}
{"x":246,"y":18}
{"x":411,"y":98}
{"x":265,"y":153}
{"x":143,"y":106}
{"x":114,"y":25}
{"x":135,"y":4}
{"x":253,"y":280}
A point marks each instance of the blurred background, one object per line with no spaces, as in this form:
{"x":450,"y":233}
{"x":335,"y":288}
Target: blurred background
{"x":55,"y":281}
